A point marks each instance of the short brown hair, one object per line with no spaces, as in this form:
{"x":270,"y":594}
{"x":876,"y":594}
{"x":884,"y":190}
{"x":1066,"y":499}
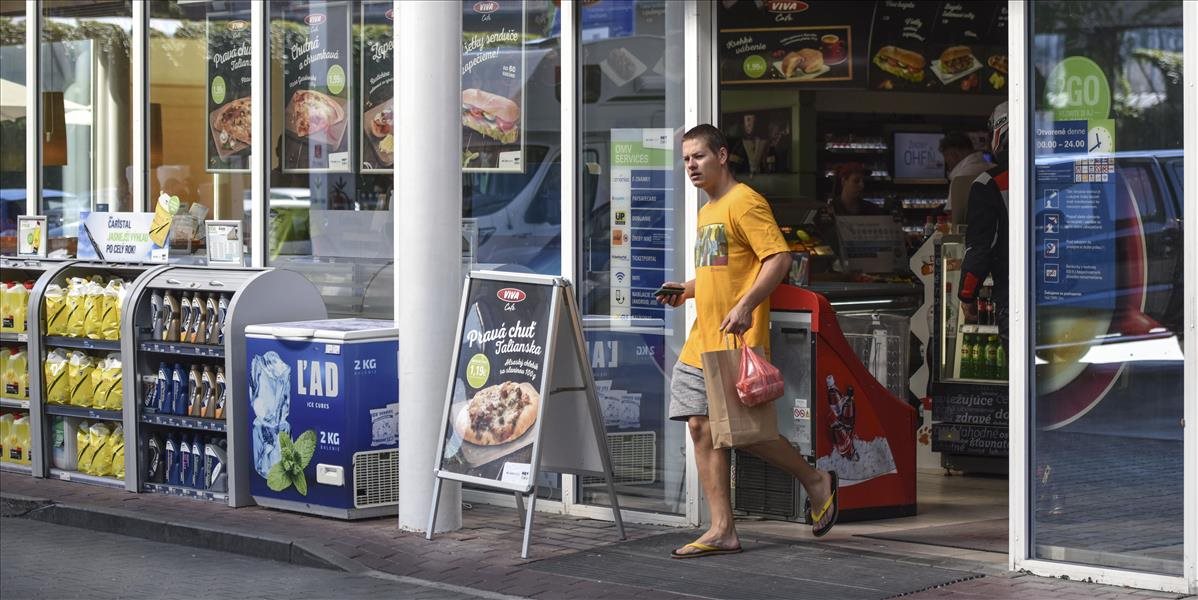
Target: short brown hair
{"x":709,"y":135}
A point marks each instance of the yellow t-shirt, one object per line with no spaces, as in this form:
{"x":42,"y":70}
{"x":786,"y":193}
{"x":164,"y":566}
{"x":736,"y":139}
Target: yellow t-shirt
{"x":736,"y":233}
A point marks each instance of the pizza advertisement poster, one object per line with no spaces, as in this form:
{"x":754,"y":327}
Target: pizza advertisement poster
{"x":317,"y":91}
{"x":229,"y":128}
{"x":376,"y":38}
{"x":492,"y":422}
{"x":493,"y":71}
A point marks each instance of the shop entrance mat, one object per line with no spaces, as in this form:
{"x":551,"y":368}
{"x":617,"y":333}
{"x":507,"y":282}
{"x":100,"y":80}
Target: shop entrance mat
{"x":767,"y":569}
{"x":988,"y":536}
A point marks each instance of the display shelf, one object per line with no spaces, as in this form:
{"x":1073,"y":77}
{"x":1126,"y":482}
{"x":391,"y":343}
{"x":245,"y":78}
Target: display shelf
{"x":16,"y":468}
{"x":183,"y":422}
{"x":58,"y":341}
{"x":186,"y":492}
{"x":14,"y":338}
{"x":85,"y":478}
{"x":14,"y":403}
{"x":183,"y":349}
{"x":83,"y":412}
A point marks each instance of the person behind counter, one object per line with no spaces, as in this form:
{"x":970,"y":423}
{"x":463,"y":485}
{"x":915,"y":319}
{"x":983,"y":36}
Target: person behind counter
{"x":848,"y":193}
{"x":986,"y":236}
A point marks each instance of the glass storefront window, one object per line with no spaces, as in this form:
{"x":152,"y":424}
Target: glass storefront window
{"x":87,"y":112}
{"x":511,"y":171}
{"x":1107,"y":284}
{"x":632,"y":188}
{"x":13,"y":123}
{"x":199,"y":116}
{"x":331,"y":206}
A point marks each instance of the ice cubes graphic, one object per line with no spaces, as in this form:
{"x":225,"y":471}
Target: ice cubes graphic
{"x":270,"y":396}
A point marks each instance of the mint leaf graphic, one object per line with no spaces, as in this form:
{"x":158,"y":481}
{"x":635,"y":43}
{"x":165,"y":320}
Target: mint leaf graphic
{"x":278,"y":479}
{"x":305,"y":447}
{"x":301,"y":484}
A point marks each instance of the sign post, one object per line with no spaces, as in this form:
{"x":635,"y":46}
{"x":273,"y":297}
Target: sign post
{"x":521,"y":398}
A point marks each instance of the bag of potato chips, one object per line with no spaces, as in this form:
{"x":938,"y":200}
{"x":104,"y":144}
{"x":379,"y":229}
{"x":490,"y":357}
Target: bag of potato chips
{"x":93,"y":310}
{"x":56,"y":310}
{"x":58,"y":381}
{"x":79,"y":377}
{"x":114,"y":295}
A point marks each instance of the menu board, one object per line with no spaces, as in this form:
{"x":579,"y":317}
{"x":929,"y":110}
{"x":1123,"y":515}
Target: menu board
{"x":492,"y":87}
{"x":317,"y":66}
{"x":230,"y":128}
{"x":783,"y":41}
{"x":493,"y":418}
{"x":377,"y":38}
{"x":942,"y":47}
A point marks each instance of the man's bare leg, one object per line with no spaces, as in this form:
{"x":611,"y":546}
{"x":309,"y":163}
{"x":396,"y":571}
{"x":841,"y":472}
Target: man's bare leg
{"x":714,"y":472}
{"x":781,"y":454}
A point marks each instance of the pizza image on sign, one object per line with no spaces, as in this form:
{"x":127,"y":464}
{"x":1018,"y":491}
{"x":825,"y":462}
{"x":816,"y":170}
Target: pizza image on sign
{"x":231,"y":127}
{"x":312,"y":112}
{"x":498,"y":414}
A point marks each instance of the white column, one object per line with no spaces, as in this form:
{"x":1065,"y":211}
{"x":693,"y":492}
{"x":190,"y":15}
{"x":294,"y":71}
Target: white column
{"x":1018,"y":505}
{"x":33,"y":109}
{"x":139,"y":70}
{"x":259,"y":148}
{"x":428,"y":197}
{"x":1190,"y":209}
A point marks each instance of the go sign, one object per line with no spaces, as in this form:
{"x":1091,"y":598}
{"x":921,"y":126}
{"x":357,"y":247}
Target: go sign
{"x":1078,"y":90}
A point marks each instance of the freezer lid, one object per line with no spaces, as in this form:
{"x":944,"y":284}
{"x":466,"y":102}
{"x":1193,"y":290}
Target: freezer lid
{"x":343,"y":330}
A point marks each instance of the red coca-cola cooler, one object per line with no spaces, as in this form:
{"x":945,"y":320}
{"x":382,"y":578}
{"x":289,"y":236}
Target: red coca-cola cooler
{"x":836,"y":414}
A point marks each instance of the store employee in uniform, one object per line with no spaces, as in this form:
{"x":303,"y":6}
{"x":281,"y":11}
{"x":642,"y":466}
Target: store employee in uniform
{"x":740,"y":257}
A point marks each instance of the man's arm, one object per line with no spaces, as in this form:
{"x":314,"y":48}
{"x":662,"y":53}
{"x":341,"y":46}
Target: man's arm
{"x":773,"y":269}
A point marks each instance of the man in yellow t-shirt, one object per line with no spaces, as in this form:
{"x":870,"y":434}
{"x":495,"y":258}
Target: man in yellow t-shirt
{"x":740,"y":257}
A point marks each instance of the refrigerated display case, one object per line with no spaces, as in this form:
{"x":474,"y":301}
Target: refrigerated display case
{"x":836,"y":414}
{"x":77,"y":408}
{"x":969,"y":387}
{"x":186,"y":389}
{"x":16,"y":433}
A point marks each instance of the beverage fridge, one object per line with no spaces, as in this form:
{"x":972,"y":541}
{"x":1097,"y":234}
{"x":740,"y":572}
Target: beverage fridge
{"x":969,"y":372}
{"x":836,"y":414}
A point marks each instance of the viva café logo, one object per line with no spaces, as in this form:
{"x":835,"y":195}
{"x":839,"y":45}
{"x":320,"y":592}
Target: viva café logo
{"x":786,"y":6}
{"x":315,"y":19}
{"x":238,"y":25}
{"x":486,"y":7}
{"x":511,"y":295}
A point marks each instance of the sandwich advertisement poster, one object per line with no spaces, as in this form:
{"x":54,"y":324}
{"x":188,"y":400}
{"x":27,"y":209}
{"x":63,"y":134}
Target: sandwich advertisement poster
{"x":378,"y":113}
{"x":496,"y":403}
{"x":903,"y":45}
{"x":317,"y":65}
{"x":492,"y":88}
{"x":229,"y":127}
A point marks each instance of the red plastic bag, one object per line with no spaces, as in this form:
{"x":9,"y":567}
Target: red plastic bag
{"x":759,"y":381}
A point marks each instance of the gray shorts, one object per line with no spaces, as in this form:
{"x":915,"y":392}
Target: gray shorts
{"x":688,"y":392}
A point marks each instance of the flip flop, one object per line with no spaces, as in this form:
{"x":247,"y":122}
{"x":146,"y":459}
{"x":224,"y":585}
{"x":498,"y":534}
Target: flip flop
{"x":703,"y":550}
{"x":831,"y":504}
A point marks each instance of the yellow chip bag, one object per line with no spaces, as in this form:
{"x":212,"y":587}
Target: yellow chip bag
{"x":110,"y":319}
{"x":110,"y":392}
{"x":102,"y":462}
{"x":83,"y":448}
{"x":56,"y":310}
{"x":93,"y":310}
{"x":76,"y":294}
{"x":58,"y":381}
{"x":79,"y":371}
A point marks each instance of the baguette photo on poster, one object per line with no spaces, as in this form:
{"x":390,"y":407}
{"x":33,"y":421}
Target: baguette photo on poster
{"x":492,"y":72}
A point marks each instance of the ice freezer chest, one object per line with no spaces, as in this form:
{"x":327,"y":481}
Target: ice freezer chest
{"x":323,"y":407}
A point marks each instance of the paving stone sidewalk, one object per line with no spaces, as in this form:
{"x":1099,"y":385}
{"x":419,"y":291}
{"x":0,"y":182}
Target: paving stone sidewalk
{"x":483,"y":555}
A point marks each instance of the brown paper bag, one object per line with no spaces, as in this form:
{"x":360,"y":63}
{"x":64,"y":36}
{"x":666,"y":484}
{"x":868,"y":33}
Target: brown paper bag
{"x":734,"y":425}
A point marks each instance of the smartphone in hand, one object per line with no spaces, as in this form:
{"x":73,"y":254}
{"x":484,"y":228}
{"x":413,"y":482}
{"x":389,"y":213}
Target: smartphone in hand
{"x":669,"y":290}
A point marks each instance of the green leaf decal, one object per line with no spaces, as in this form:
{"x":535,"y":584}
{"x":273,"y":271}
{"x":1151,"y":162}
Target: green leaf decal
{"x":284,"y":442}
{"x":278,"y":479}
{"x":301,"y":484}
{"x":305,"y":445}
